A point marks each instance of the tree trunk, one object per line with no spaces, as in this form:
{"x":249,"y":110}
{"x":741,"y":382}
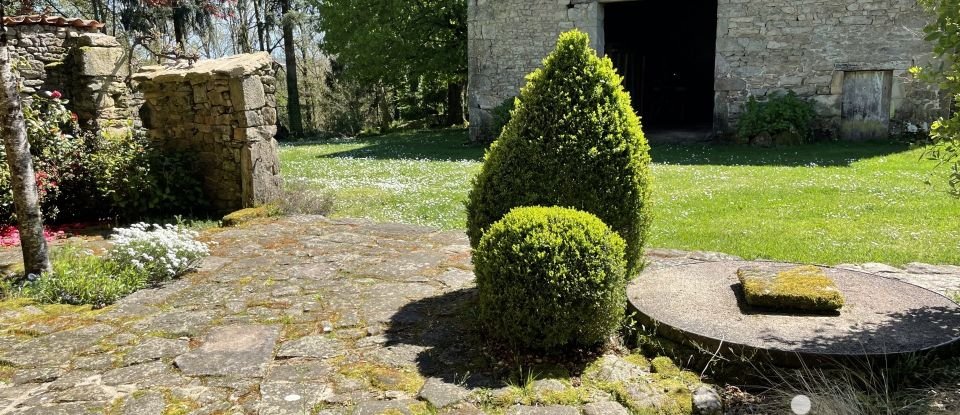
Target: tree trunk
{"x":179,"y":32}
{"x":454,"y":103}
{"x":26,"y":200}
{"x":290,"y":52}
{"x":383,"y":109}
{"x":261,"y":39}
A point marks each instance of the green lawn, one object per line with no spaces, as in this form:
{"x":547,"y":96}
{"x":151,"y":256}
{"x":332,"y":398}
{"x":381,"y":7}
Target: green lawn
{"x":825,"y":203}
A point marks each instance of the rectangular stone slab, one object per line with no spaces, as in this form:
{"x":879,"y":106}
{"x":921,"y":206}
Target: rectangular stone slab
{"x":242,"y":350}
{"x":804,"y":288}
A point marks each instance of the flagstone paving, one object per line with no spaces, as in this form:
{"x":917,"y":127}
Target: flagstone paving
{"x":305,"y":315}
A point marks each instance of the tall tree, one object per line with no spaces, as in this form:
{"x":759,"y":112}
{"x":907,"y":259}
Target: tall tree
{"x":391,"y":41}
{"x":290,"y":55}
{"x":23,"y":180}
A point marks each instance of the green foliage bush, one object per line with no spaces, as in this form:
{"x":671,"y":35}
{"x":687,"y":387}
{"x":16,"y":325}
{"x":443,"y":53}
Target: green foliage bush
{"x":80,"y":277}
{"x":573,"y":141}
{"x":944,"y":33}
{"x":142,"y":255}
{"x":501,"y":116}
{"x":82,"y":175}
{"x":784,"y":118}
{"x":550,"y":277}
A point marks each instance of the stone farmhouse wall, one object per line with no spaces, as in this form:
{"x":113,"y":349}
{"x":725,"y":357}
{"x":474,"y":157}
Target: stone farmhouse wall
{"x":71,"y":56}
{"x":810,"y":46}
{"x":225,"y":111}
{"x":763,"y":46}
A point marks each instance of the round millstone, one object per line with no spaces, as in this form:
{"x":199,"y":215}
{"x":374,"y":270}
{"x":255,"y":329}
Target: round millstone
{"x":703,"y":302}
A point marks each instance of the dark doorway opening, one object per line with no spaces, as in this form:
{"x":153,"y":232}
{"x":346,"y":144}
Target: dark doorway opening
{"x":666,"y":52}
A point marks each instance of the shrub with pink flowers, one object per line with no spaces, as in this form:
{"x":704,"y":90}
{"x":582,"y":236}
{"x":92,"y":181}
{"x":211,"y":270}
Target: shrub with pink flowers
{"x":10,"y":235}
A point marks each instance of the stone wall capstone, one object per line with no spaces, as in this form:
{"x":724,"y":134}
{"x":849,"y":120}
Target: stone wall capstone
{"x":763,"y":47}
{"x":225,"y":111}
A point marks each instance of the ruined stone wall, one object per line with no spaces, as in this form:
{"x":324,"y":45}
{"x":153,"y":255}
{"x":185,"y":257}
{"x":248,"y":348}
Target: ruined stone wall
{"x":769,"y":45}
{"x":225,"y":111}
{"x":763,"y":46}
{"x":71,"y":56}
{"x":37,"y":46}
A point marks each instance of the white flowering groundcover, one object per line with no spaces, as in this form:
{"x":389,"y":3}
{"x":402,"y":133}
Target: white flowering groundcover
{"x":161,"y":251}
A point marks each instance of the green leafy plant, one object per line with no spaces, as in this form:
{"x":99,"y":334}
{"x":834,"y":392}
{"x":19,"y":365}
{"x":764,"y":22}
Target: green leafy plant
{"x":501,"y":116}
{"x":550,"y":277}
{"x":944,"y":33}
{"x":782,"y":118}
{"x":83,"y":175}
{"x":141,"y":255}
{"x":57,"y":155}
{"x":80,"y":277}
{"x":137,"y":179}
{"x":573,"y":141}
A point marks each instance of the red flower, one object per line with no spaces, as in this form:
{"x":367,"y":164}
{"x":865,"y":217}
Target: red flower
{"x":55,"y":94}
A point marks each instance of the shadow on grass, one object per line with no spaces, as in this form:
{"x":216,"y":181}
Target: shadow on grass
{"x":811,"y":155}
{"x":457,"y":352}
{"x":453,"y":144}
{"x":433,"y":145}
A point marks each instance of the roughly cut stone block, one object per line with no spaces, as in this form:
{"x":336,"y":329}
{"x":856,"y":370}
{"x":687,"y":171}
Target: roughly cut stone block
{"x":441,"y":394}
{"x":237,"y":350}
{"x":247,"y":93}
{"x":148,"y":403}
{"x":613,"y":368}
{"x":805,"y":288}
{"x":706,"y":401}
{"x":320,"y":347}
{"x":260,"y":170}
{"x":99,"y":40}
{"x":605,"y":408}
{"x":155,"y":348}
{"x":281,"y":398}
{"x":95,"y":61}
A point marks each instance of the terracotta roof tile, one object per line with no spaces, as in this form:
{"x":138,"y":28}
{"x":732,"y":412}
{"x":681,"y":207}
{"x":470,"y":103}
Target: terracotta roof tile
{"x":51,"y":21}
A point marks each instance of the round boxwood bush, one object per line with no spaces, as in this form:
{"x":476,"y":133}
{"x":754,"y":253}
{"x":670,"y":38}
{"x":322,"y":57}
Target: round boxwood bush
{"x":550,"y":277}
{"x":573,"y":140}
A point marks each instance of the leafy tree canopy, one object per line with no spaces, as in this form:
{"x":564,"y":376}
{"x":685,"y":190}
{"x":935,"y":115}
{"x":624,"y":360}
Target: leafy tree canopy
{"x":394,"y":40}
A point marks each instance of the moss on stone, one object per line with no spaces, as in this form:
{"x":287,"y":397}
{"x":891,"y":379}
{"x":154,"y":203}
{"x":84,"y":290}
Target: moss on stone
{"x":421,"y":408}
{"x":246,"y":215}
{"x":6,"y":372}
{"x":384,"y":378}
{"x":177,"y":405}
{"x":679,"y":398}
{"x":639,"y":360}
{"x":569,"y":396}
{"x":664,"y":366}
{"x":805,"y":288}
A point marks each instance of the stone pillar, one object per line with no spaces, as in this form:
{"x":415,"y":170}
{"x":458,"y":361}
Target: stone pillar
{"x":225,"y":111}
{"x":97,"y":70}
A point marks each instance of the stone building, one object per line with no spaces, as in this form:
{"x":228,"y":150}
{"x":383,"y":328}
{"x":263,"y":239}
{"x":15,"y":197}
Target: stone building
{"x":691,"y":65}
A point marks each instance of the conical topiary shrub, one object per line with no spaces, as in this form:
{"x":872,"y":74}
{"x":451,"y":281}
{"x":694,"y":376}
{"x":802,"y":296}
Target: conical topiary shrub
{"x":573,"y":141}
